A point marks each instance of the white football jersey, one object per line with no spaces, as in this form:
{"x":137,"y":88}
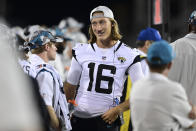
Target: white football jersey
{"x":145,"y":67}
{"x":102,"y":75}
{"x":27,"y":67}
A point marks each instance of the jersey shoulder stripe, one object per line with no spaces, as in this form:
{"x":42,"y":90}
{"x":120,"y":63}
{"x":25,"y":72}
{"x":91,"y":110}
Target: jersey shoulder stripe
{"x":74,"y":54}
{"x":92,"y":46}
{"x":142,"y":57}
{"x":127,"y":52}
{"x":137,"y":59}
{"x":118,"y":46}
{"x":131,"y":54}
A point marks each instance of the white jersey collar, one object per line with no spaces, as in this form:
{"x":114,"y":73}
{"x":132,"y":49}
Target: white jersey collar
{"x":94,"y":46}
{"x":158,"y":76}
{"x":36,"y":60}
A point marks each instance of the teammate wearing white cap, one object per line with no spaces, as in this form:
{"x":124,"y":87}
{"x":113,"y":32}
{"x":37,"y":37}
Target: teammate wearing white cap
{"x":100,"y":69}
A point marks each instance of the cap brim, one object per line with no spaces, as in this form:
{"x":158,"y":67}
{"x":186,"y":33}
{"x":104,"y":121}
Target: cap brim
{"x":57,"y":40}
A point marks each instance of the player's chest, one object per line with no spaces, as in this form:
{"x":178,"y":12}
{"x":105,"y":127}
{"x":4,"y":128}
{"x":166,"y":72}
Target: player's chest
{"x":107,"y":64}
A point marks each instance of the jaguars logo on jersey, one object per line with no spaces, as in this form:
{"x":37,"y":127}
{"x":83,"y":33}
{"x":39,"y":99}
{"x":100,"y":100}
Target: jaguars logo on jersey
{"x":121,"y":59}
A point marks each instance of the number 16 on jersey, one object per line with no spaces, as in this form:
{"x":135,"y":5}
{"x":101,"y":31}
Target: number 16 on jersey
{"x":100,"y":77}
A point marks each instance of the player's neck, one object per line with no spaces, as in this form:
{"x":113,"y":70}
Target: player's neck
{"x":44,"y":57}
{"x":105,"y":43}
{"x":143,"y":50}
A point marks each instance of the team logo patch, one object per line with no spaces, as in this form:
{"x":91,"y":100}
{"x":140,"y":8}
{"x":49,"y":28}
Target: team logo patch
{"x":121,"y":59}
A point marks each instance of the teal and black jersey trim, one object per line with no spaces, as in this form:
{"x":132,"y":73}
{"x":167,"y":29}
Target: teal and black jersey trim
{"x":74,"y":54}
{"x":142,"y":58}
{"x":92,"y":46}
{"x":137,"y":59}
{"x":118,"y":47}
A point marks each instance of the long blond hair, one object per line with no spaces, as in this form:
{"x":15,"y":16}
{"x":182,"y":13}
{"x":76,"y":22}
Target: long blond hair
{"x":115,"y":33}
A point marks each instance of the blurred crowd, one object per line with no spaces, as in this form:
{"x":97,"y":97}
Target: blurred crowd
{"x":14,"y":54}
{"x":68,"y":29}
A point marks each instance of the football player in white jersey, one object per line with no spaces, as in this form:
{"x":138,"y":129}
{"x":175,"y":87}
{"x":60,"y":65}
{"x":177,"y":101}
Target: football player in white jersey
{"x":100,"y":69}
{"x":50,"y":84}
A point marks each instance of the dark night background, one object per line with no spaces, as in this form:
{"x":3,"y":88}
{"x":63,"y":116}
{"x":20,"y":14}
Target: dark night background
{"x":131,"y":15}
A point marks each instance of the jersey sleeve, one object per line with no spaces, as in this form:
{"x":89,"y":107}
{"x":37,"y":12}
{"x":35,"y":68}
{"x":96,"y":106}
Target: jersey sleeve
{"x":76,"y":68}
{"x":135,"y":69}
{"x":78,"y":50}
{"x":74,"y":72}
{"x":46,"y":83}
{"x":135,"y":72}
{"x":32,"y":72}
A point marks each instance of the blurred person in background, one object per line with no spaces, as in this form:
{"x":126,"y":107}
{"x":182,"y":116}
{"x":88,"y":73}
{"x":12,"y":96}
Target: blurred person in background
{"x":63,"y":26}
{"x":145,"y":38}
{"x":157,"y":103}
{"x":183,"y":69}
{"x":99,"y":69}
{"x":18,"y":31}
{"x":67,"y":55}
{"x":64,"y":54}
{"x":74,"y":30}
{"x":19,"y":108}
{"x":29,"y":30}
{"x":72,"y":34}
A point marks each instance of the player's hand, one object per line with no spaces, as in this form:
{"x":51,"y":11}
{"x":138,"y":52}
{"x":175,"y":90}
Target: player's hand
{"x":67,"y":68}
{"x":111,"y":115}
{"x":192,"y":114}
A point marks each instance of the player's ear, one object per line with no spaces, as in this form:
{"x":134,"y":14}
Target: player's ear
{"x":46,"y":46}
{"x":169,"y":65}
{"x":147,"y":43}
{"x":112,"y":23}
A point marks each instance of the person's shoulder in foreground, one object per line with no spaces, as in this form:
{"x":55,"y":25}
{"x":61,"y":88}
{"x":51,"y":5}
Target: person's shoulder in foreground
{"x":191,"y":36}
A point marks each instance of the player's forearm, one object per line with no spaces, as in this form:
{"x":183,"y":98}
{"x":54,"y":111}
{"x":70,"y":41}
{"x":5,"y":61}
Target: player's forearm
{"x":70,"y":91}
{"x":123,"y":107}
{"x":53,"y":117}
{"x":193,"y":125}
{"x":192,"y":113}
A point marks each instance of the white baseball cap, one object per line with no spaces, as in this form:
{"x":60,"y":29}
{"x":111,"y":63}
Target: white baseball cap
{"x":106,"y":12}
